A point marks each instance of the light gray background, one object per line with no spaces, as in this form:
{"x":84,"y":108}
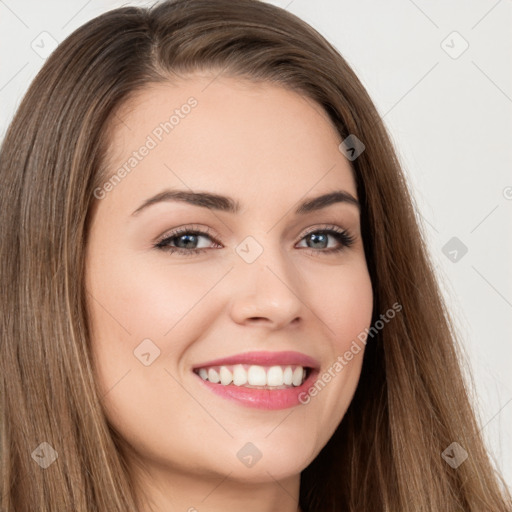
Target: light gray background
{"x":449,"y":114}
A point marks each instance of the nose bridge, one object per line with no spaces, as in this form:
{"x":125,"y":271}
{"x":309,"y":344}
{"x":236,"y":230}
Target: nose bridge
{"x":260,"y":252}
{"x":265,"y":282}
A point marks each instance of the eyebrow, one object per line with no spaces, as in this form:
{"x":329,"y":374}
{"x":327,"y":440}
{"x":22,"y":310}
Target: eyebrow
{"x":230,"y":205}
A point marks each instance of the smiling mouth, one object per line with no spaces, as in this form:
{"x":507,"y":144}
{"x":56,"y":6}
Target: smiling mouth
{"x":255,"y":376}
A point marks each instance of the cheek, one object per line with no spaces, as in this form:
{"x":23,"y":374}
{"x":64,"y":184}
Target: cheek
{"x":150,"y":300}
{"x":344,"y":306}
{"x":342,"y":297}
{"x":134,"y":301}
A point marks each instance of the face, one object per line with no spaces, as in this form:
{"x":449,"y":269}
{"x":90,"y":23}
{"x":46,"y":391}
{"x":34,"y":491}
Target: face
{"x":183,"y":289}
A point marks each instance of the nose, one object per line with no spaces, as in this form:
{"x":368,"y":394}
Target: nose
{"x":266,"y":290}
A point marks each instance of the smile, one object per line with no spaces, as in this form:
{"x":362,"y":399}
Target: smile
{"x":255,"y":376}
{"x":262,"y":380}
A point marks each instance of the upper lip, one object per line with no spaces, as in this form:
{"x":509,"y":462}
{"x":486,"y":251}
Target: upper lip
{"x":264,"y":359}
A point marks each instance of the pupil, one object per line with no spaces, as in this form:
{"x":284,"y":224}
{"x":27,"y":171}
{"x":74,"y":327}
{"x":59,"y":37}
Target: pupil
{"x":187,"y":237}
{"x":315,"y":237}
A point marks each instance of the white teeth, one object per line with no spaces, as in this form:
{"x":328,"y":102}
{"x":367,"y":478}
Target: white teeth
{"x":226,"y":377}
{"x":255,"y":375}
{"x":213,"y":376}
{"x":239,"y":375}
{"x":297,"y":376}
{"x":275,"y":376}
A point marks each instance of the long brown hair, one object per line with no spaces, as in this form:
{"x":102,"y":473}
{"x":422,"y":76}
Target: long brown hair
{"x":411,"y":402}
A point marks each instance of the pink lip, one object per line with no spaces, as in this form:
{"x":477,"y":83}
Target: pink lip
{"x":269,"y":399}
{"x":265,"y":359}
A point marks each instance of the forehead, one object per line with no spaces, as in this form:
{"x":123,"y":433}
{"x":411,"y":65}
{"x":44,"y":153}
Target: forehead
{"x":228,"y":136}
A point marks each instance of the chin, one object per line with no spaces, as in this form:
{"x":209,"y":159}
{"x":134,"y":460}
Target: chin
{"x":262,"y":459}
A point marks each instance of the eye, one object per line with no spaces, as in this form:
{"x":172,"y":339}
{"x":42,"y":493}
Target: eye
{"x":185,"y":240}
{"x":320,"y":239}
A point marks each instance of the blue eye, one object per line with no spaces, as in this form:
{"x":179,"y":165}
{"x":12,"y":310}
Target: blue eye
{"x":183,"y":241}
{"x":187,"y":237}
{"x":319,"y":237}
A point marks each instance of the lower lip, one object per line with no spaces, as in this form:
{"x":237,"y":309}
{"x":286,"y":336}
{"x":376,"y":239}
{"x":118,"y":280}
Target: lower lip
{"x":269,"y":399}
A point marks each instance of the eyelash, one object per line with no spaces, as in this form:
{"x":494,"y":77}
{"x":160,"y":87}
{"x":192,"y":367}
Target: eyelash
{"x":341,"y":235}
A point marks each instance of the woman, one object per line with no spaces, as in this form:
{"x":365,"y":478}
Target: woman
{"x":262,"y":369}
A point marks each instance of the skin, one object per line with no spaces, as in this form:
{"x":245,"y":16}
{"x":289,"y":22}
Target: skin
{"x":270,"y":149}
